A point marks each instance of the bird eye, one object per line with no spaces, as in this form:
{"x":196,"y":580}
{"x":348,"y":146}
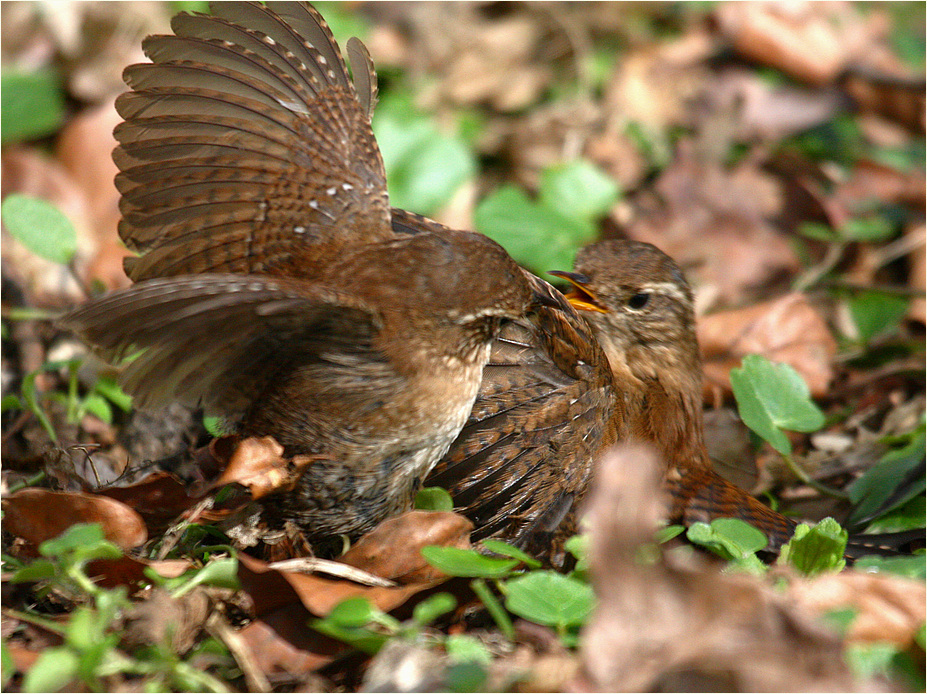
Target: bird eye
{"x":639,"y":300}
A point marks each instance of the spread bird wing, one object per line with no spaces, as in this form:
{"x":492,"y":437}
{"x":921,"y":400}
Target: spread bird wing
{"x":246,"y":148}
{"x":220,"y":340}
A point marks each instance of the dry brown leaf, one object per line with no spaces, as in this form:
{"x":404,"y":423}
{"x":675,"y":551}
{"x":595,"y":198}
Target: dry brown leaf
{"x":812,"y":41}
{"x":130,"y":571}
{"x":159,"y":498}
{"x":281,"y":643}
{"x":678,"y":623}
{"x":717,"y":224}
{"x":40,"y":514}
{"x":161,"y":618}
{"x":889,"y":608}
{"x":259,"y":465}
{"x":787,"y":330}
{"x":271,"y":589}
{"x":393,"y":549}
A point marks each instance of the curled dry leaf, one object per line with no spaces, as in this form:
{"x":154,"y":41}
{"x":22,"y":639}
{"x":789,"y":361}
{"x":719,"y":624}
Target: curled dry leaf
{"x":280,"y":644}
{"x":678,"y":623}
{"x":259,"y":465}
{"x":889,"y":608}
{"x":787,"y":330}
{"x":271,"y":589}
{"x":40,"y":514}
{"x":393,"y":549}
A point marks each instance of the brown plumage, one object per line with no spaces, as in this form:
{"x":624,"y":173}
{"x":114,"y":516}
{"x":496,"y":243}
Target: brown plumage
{"x":640,"y":373}
{"x":271,"y":287}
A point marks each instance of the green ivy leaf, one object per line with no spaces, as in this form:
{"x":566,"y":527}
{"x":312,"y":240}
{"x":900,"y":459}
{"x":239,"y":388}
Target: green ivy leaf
{"x":875,"y":313}
{"x":815,"y":550}
{"x":549,"y":598}
{"x":772,"y":397}
{"x":433,"y":499}
{"x":466,"y":562}
{"x":32,"y":105}
{"x":40,"y":226}
{"x":578,"y":189}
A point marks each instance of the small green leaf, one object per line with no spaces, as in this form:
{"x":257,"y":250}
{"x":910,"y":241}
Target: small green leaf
{"x":877,"y":491}
{"x":222,"y":573}
{"x":911,"y":567}
{"x":841,"y":619}
{"x":54,"y":669}
{"x":467,"y":676}
{"x":466,"y":562}
{"x":361,"y":638}
{"x":873,"y":228}
{"x":429,"y":609}
{"x":7,"y":666}
{"x":463,"y":648}
{"x":10,"y":402}
{"x":549,"y":598}
{"x":32,"y":105}
{"x":97,"y":405}
{"x":772,"y":397}
{"x":507,"y":550}
{"x":667,"y":533}
{"x":39,"y":570}
{"x":875,"y":313}
{"x":353,"y":612}
{"x":814,"y":550}
{"x":578,"y":546}
{"x":578,"y":189}
{"x":112,"y":391}
{"x":731,"y":539}
{"x":817,"y":231}
{"x":433,"y":499}
{"x":213,"y":426}
{"x":41,"y":227}
{"x":76,"y":537}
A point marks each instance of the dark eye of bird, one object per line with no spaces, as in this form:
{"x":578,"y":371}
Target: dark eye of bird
{"x":639,"y":300}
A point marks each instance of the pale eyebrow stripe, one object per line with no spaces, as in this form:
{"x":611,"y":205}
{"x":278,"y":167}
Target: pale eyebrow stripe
{"x":667,"y":288}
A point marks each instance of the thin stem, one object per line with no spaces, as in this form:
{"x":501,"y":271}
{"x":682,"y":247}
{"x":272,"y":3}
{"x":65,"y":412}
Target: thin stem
{"x":806,"y":479}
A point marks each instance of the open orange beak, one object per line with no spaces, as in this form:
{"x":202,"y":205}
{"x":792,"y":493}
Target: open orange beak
{"x":581,"y":297}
